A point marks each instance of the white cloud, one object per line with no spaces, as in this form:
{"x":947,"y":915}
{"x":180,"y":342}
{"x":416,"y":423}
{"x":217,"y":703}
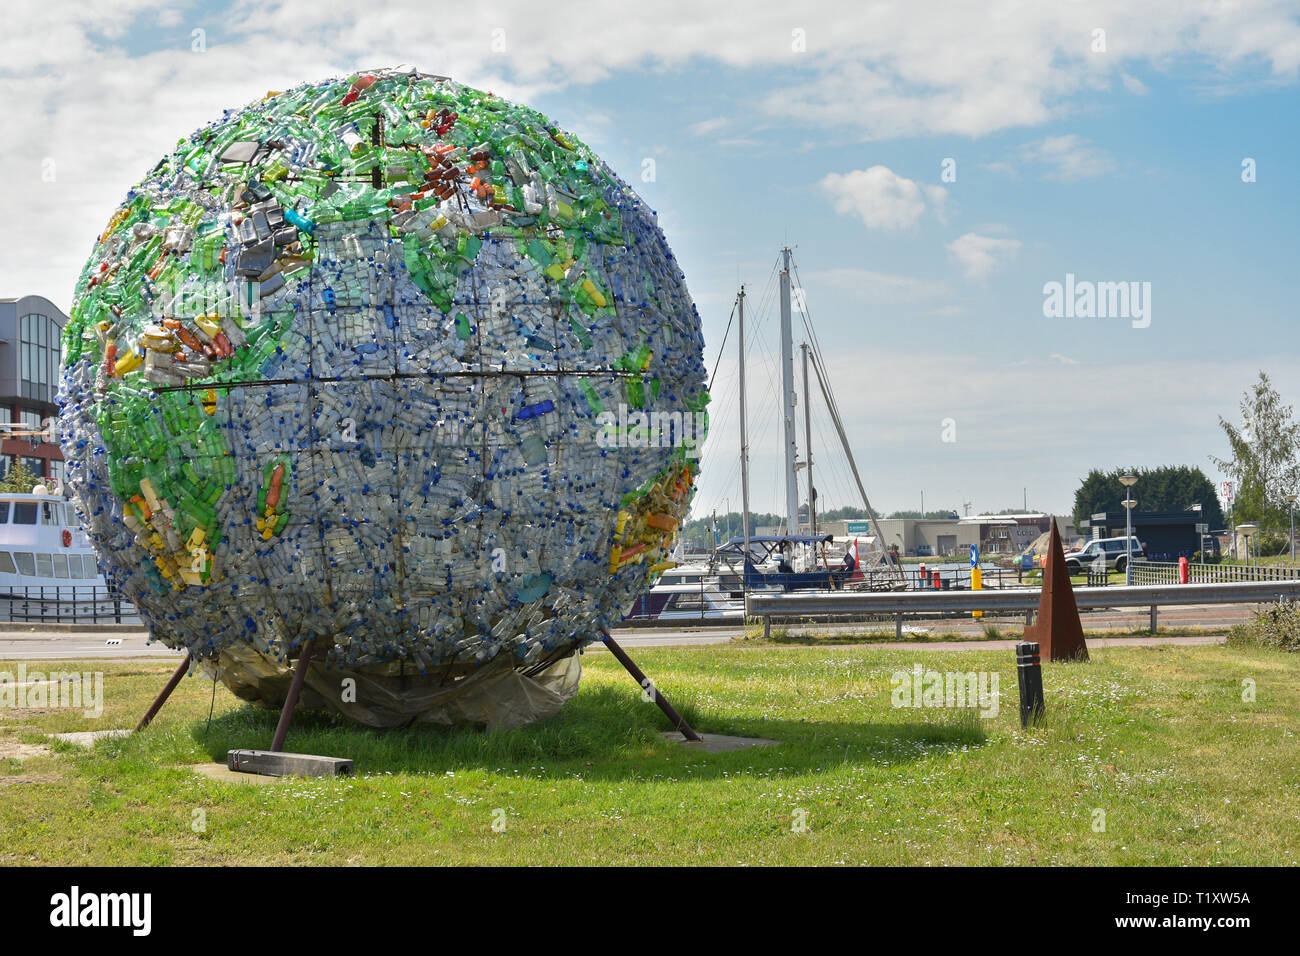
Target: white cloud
{"x":1002,"y":167}
{"x":708,"y":126}
{"x":879,"y":287}
{"x":1133,"y":84}
{"x":895,"y":426}
{"x":1069,"y":158}
{"x":74,"y":95}
{"x":892,"y":70}
{"x":881,"y":198}
{"x":980,"y":255}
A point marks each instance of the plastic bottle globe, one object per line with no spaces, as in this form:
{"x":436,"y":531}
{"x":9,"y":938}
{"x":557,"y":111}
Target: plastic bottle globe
{"x":395,"y":366}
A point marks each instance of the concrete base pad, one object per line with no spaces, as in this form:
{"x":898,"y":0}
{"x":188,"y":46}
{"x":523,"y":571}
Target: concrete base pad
{"x":220,"y":773}
{"x":717,"y":743}
{"x":280,"y":764}
{"x":87,"y":738}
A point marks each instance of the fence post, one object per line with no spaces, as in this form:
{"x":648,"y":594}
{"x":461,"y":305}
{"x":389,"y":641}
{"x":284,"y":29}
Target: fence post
{"x":1154,"y":613}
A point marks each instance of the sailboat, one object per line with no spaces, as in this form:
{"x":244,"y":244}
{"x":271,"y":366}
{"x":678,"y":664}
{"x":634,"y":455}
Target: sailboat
{"x":757,"y":554}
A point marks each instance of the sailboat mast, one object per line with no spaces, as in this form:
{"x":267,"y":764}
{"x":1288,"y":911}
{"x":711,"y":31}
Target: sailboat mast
{"x":807,"y":442}
{"x":787,"y":399}
{"x":744,"y":435}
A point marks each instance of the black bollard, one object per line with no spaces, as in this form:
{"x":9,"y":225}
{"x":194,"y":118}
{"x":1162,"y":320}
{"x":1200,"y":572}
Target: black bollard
{"x":1029,"y":673}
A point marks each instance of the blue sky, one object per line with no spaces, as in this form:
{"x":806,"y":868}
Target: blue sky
{"x":1122,"y":164}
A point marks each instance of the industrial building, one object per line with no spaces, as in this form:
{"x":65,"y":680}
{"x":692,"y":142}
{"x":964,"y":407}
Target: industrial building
{"x":947,"y":537}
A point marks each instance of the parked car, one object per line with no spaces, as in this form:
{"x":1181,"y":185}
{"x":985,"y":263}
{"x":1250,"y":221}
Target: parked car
{"x":1114,"y":551}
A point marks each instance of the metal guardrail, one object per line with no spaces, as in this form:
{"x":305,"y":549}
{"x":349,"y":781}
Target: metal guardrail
{"x":66,"y":604}
{"x":831,"y":604}
{"x":922,"y":603}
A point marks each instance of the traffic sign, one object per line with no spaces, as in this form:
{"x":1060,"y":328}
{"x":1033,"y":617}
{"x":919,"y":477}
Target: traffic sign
{"x":974,"y":555}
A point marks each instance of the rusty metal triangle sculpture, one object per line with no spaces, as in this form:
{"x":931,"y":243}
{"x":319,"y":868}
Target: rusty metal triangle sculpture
{"x":1057,"y":628}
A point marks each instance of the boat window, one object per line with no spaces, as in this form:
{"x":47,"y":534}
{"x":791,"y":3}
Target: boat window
{"x":7,"y":563}
{"x":44,"y":566}
{"x":60,"y":565}
{"x":26,"y":563}
{"x":4,"y":512}
{"x":24,"y":512}
{"x":47,"y":513}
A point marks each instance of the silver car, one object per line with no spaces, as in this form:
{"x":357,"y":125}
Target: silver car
{"x":1113,"y":551}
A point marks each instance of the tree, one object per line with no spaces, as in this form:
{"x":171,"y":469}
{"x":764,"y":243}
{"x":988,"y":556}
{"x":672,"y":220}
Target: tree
{"x":1263,"y":464}
{"x":1167,"y":488}
{"x":20,"y":480}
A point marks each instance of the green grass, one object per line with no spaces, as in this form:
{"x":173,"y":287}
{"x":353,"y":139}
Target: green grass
{"x":1157,"y":738}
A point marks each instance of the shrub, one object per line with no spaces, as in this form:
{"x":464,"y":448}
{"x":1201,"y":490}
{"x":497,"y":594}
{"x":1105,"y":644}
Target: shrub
{"x":1272,"y":625}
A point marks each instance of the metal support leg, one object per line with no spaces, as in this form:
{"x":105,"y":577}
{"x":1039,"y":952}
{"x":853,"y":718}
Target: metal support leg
{"x":1154,"y":613}
{"x":679,"y":722}
{"x":898,"y":626}
{"x":291,"y":701}
{"x":161,"y":699}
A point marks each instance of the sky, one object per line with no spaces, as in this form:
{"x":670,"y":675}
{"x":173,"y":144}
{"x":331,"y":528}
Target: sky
{"x":934,"y":168}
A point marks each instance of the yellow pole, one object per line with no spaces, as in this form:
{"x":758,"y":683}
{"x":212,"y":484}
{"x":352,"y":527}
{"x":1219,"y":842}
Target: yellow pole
{"x":976,"y":581}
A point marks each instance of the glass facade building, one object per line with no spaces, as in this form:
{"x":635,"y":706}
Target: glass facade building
{"x":31,"y":329}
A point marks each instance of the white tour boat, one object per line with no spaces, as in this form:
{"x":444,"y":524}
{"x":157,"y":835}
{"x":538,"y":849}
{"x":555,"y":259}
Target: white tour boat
{"x":48,"y":568}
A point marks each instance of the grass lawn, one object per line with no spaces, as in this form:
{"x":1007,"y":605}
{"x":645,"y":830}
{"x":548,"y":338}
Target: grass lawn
{"x":1158,"y":739}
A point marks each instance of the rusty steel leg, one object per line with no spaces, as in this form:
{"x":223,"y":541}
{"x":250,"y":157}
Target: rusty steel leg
{"x":161,"y":699}
{"x":291,"y":701}
{"x":679,"y":722}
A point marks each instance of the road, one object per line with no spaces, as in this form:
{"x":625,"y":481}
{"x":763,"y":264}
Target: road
{"x":94,"y":645}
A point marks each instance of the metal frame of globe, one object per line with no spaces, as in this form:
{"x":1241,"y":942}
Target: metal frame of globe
{"x":304,"y":658}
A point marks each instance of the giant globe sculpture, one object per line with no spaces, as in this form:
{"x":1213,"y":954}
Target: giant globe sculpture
{"x":394,"y":366}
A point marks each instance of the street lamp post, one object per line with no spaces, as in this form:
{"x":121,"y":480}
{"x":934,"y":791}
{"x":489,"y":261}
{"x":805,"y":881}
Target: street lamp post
{"x":1128,"y":481}
{"x":1248,"y":530}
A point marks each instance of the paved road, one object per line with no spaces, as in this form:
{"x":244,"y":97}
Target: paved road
{"x":80,"y":645}
{"x":92,"y":645}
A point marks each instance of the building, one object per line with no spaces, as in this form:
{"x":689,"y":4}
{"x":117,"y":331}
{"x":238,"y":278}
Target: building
{"x":1165,"y":535}
{"x":951,"y":537}
{"x":31,"y":331}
